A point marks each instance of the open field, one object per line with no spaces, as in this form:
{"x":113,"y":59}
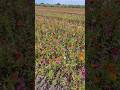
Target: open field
{"x":59,"y":48}
{"x":79,"y":11}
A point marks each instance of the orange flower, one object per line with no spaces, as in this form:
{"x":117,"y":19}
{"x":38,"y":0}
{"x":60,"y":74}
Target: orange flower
{"x":96,"y":79}
{"x":82,"y":56}
{"x":112,"y":71}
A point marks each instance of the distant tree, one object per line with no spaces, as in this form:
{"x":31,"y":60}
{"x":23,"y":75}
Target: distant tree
{"x":58,"y":4}
{"x":42,"y":3}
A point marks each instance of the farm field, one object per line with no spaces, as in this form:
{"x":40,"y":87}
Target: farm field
{"x":80,"y":11}
{"x":59,"y":48}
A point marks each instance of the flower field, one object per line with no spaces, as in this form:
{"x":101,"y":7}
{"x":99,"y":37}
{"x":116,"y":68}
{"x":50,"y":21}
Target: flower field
{"x":59,"y":49}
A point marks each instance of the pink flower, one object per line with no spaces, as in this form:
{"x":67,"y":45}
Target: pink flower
{"x":53,"y":49}
{"x":82,"y":72}
{"x":58,"y":62}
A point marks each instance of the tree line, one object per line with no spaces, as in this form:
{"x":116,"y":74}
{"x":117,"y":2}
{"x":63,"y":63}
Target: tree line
{"x":60,"y":5}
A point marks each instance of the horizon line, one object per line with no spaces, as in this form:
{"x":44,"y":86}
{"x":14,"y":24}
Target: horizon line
{"x":60,"y":3}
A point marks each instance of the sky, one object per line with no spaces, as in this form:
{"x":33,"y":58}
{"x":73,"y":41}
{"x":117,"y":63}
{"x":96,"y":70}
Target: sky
{"x":73,"y":2}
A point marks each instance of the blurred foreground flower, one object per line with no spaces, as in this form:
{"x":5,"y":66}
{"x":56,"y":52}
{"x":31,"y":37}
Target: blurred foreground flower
{"x":14,"y":76}
{"x":113,"y":76}
{"x":95,"y":66}
{"x":21,"y":85}
{"x":111,"y":68}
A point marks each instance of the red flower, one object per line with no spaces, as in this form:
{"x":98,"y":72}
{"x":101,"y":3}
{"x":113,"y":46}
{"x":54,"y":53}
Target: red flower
{"x":18,"y":55}
{"x":95,"y":66}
